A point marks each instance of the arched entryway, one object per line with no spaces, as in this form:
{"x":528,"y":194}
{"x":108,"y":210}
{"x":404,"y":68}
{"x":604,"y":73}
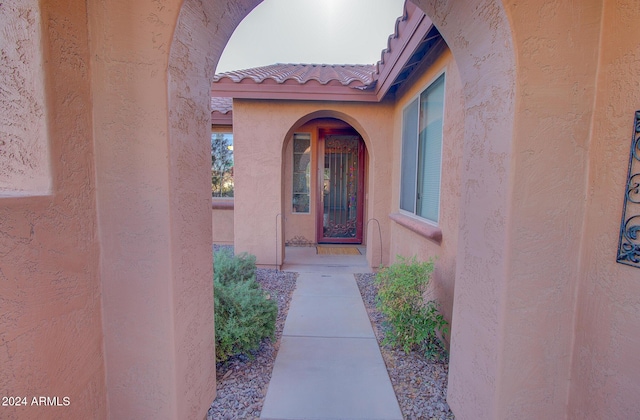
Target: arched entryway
{"x":479,"y":36}
{"x":324,"y":173}
{"x":481,"y":42}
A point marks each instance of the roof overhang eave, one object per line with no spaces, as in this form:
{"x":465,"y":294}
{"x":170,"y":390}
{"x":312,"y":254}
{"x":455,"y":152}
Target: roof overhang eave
{"x":299,"y":93}
{"x":401,"y":49}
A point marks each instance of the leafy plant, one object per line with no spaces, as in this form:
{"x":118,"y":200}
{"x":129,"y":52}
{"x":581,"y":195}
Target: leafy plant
{"x":228,"y":268}
{"x":244,"y":313}
{"x":414,"y":323}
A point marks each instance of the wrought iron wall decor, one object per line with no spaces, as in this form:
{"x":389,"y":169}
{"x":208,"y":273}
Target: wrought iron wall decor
{"x":629,"y":246}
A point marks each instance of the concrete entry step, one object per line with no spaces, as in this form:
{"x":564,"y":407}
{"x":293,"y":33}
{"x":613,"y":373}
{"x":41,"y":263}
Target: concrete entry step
{"x":329,"y":364}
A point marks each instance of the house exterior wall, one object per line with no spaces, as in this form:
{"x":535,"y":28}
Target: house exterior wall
{"x":222,"y":221}
{"x":546,"y":209}
{"x":544,"y":323}
{"x":403,"y":240}
{"x":605,"y":375}
{"x":151,"y":66}
{"x":51,"y":341}
{"x":25,"y":168}
{"x":260,"y":170}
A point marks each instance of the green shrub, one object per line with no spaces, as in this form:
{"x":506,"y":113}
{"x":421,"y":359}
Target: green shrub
{"x":414,"y":323}
{"x":244,"y":314}
{"x":228,"y":268}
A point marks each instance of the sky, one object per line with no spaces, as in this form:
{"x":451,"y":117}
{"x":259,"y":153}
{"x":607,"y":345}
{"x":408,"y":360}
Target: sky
{"x":311,"y":32}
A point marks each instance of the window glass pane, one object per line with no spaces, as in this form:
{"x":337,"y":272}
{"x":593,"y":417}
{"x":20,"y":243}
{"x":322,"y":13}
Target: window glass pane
{"x":301,"y":143}
{"x":300,"y":183}
{"x":301,"y":172}
{"x":430,"y":150}
{"x":222,"y":164}
{"x":301,"y":203}
{"x":301,"y":162}
{"x":409,"y":148}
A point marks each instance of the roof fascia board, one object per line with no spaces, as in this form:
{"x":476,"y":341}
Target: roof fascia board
{"x":423,"y":66}
{"x":296,"y":92}
{"x":418,"y":26}
{"x":218,"y":118}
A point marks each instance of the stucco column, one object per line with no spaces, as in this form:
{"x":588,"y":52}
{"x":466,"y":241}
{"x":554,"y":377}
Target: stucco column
{"x":152,"y":65}
{"x":478,"y":34}
{"x":257,"y":150}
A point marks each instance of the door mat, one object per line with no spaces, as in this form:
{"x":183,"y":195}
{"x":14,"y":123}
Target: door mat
{"x":337,"y":250}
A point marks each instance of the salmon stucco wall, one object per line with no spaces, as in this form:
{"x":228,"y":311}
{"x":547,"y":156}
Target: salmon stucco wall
{"x":24,"y":138}
{"x":222,"y":221}
{"x":544,"y":323}
{"x":557,"y":63}
{"x":260,"y":165}
{"x":408,"y":242}
{"x":152,"y":63}
{"x":50,"y":313}
{"x":605,"y":379}
{"x":478,"y":32}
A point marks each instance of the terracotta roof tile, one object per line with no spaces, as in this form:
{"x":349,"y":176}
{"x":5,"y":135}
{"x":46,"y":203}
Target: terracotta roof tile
{"x":408,"y":43}
{"x":221,"y":105}
{"x":359,"y":76}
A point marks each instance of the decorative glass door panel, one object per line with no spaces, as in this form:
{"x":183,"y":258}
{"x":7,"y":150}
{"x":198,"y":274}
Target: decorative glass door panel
{"x":341,"y":190}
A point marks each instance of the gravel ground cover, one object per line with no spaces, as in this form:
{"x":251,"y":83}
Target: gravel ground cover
{"x":242,"y":381}
{"x":420,"y":384}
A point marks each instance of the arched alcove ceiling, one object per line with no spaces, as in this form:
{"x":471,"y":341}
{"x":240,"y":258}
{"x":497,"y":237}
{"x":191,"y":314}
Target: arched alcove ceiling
{"x":326,"y":113}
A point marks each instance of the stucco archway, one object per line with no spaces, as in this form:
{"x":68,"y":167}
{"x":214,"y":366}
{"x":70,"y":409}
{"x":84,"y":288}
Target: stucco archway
{"x":313,"y":123}
{"x":478,"y":33}
{"x":543,"y":323}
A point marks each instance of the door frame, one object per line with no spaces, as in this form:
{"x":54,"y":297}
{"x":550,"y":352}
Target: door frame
{"x":322,"y":133}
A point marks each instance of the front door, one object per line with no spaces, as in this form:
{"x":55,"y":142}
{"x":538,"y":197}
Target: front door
{"x":340,"y":207}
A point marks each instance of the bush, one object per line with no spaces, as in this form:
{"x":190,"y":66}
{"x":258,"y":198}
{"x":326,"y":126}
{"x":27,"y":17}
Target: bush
{"x":228,"y":268}
{"x":414,"y":323}
{"x":244,"y":314}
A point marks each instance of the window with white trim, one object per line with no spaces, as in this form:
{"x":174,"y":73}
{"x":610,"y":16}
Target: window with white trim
{"x":422,"y":153}
{"x":301,"y":172}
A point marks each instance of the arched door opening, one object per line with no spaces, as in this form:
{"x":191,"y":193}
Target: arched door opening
{"x":324,"y":172}
{"x":473,"y":39}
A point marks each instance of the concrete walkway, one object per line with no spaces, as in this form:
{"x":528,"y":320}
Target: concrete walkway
{"x":329,"y":364}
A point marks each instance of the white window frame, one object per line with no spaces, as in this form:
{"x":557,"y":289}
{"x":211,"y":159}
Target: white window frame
{"x":415,"y":152}
{"x":293,"y":172}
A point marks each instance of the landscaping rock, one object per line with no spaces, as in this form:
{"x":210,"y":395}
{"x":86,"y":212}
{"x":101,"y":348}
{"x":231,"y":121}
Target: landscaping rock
{"x":242,"y":381}
{"x":420,"y":384}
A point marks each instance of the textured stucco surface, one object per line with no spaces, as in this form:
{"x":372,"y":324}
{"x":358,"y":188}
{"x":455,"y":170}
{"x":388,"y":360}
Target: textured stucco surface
{"x":404,"y":241}
{"x":261,"y":165}
{"x":545,"y":324}
{"x":50,"y":315}
{"x":557,"y":62}
{"x":606,"y":361}
{"x":222,"y":226}
{"x":24,"y":140}
{"x":478,"y":34}
{"x":152,"y":64}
